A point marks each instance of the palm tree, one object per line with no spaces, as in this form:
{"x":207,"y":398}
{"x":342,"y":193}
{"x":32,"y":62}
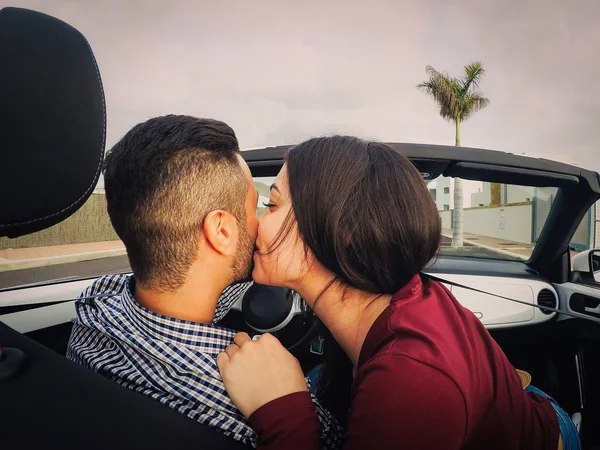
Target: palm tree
{"x":458,"y":99}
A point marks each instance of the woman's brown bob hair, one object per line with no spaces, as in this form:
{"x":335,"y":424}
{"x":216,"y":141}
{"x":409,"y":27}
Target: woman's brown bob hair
{"x":363,"y":210}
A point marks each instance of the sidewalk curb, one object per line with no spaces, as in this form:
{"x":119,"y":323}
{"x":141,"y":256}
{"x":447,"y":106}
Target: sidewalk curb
{"x":493,"y":249}
{"x":7,"y":265}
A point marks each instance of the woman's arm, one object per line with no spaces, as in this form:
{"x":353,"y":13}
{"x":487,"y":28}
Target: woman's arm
{"x":288,"y":422}
{"x":399,"y":403}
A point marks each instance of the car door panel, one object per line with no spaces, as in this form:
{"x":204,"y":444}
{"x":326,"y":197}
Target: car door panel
{"x":580,"y":300}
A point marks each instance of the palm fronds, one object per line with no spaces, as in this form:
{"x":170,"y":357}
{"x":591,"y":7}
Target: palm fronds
{"x":457,"y":98}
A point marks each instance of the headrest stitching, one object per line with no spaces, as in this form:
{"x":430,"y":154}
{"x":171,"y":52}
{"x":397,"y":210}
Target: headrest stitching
{"x":101,"y":153}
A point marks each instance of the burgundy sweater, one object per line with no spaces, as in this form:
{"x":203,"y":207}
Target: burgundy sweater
{"x":429,"y":376}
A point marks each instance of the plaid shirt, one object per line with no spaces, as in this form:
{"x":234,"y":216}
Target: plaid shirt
{"x":171,"y":360}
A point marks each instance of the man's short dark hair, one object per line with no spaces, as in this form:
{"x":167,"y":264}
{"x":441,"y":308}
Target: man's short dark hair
{"x":161,"y":180}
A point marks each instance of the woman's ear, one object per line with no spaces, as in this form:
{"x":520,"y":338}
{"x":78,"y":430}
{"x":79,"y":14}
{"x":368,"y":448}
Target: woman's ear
{"x":221,"y":232}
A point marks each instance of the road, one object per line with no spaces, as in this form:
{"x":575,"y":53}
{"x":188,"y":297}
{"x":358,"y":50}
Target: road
{"x":119,"y":264}
{"x":469,"y":250}
{"x":82,"y":269}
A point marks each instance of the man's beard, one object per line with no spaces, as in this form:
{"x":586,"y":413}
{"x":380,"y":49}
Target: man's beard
{"x":241,"y":270}
{"x":243,"y":263}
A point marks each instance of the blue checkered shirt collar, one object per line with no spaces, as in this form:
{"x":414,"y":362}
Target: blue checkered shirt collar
{"x":206,"y":338}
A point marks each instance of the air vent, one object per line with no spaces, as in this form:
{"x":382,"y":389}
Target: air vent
{"x":547,"y":298}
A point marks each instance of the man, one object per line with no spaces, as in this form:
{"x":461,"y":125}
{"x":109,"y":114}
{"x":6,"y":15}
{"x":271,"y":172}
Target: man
{"x":181,"y":198}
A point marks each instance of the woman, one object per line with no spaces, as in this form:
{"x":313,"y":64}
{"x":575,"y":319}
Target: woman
{"x":350,"y":225}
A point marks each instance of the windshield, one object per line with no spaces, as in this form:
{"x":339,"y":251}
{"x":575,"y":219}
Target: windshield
{"x":84,"y":245}
{"x":500,"y":221}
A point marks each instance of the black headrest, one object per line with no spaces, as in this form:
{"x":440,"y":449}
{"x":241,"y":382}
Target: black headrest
{"x":52,"y":121}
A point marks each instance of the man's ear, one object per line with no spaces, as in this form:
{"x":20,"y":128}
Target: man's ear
{"x":221,"y":232}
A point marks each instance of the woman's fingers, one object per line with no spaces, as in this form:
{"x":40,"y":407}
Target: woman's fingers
{"x":222,"y":360}
{"x":257,"y":372}
{"x":232,"y":350}
{"x":241,"y":338}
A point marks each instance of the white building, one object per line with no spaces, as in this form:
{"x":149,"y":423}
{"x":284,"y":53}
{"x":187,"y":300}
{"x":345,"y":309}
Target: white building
{"x":483,"y":197}
{"x":442,"y":191}
{"x":509,"y":193}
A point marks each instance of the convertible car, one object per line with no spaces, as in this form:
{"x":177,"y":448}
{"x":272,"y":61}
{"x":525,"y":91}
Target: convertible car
{"x":521,"y":269}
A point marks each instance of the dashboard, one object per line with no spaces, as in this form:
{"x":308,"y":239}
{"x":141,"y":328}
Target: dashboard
{"x":496,"y":312}
{"x":28,"y":309}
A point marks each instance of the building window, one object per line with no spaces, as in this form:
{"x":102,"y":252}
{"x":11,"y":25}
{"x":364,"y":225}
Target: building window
{"x":446,"y":207}
{"x":446,"y":190}
{"x":433,"y":194}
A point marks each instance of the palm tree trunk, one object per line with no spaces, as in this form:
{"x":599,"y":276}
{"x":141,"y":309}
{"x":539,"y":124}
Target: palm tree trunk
{"x":457,"y":141}
{"x":458,"y":231}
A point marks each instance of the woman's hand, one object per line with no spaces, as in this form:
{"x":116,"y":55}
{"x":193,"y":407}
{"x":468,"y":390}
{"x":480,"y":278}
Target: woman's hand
{"x":256,"y":372}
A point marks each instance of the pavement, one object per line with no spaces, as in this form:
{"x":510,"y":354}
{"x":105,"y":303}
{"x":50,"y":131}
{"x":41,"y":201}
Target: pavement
{"x":499,"y":247}
{"x":26,"y":266}
{"x":468,"y":250}
{"x":26,"y":258}
{"x":64,"y":272}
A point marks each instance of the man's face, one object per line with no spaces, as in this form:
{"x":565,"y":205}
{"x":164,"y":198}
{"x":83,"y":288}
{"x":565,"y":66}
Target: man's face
{"x":243,"y":262}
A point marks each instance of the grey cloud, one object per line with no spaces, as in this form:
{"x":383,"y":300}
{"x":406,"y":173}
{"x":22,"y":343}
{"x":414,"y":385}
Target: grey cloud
{"x":281,"y":71}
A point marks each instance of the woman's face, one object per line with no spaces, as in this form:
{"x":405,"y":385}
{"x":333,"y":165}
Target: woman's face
{"x":285,"y":263}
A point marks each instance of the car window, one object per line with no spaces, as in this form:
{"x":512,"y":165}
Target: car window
{"x":263,"y":188}
{"x":588,"y":233}
{"x":500,"y":221}
{"x":83,"y":245}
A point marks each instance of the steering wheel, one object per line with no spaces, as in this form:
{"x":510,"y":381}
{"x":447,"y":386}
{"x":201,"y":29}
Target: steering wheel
{"x":269,"y":309}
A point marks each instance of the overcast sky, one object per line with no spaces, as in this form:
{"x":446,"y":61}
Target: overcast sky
{"x":279,"y":71}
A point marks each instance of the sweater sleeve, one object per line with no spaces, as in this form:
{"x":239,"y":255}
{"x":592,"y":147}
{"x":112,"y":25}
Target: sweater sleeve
{"x":288,"y":422}
{"x":398,"y":403}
